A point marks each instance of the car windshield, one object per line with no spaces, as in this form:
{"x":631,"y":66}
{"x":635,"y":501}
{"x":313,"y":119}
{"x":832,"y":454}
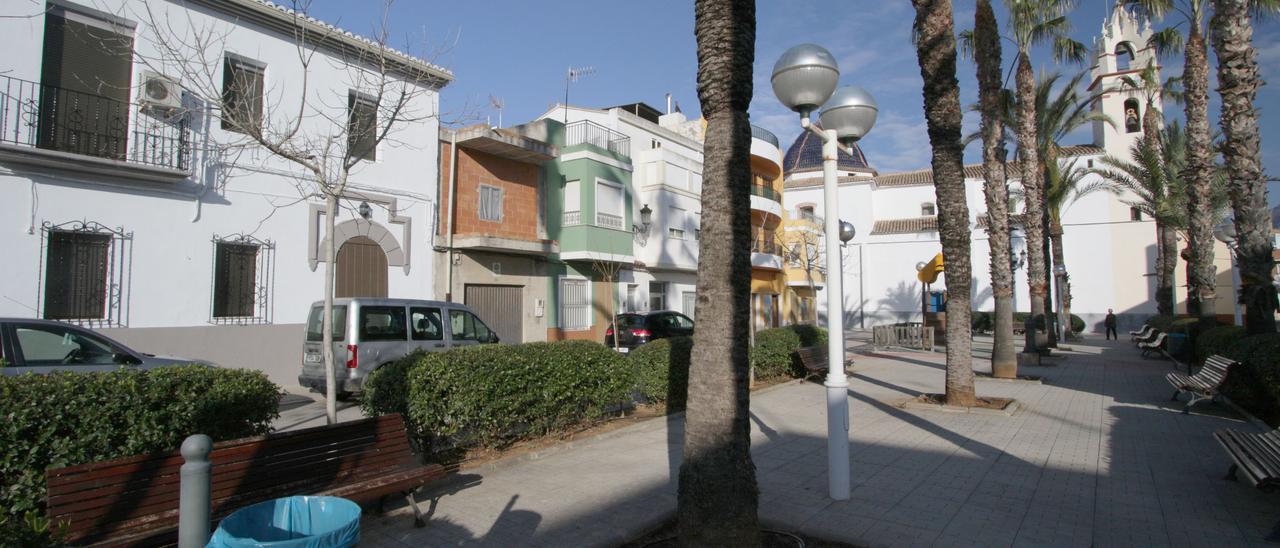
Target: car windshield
{"x":630,"y":322}
{"x":315,"y":330}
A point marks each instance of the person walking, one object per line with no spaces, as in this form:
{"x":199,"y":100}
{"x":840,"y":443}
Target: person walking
{"x":1110,"y":323}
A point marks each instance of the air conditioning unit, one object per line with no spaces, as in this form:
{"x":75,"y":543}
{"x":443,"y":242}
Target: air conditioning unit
{"x":160,"y":92}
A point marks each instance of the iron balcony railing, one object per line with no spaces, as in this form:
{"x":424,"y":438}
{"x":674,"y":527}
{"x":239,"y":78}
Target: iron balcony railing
{"x":805,"y":215}
{"x":47,"y":117}
{"x":765,"y":135}
{"x":766,"y":192}
{"x":765,"y":245}
{"x":587,"y":132}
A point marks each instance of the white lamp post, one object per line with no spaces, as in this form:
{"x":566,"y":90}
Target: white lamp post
{"x":1225,"y":232}
{"x":1058,"y":272}
{"x":804,"y":79}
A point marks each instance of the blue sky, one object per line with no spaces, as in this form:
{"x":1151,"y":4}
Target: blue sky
{"x":519,"y":51}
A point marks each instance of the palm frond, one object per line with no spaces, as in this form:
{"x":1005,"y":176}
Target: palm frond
{"x":1167,"y":41}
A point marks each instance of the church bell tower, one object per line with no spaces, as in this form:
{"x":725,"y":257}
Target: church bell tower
{"x":1121,"y":51}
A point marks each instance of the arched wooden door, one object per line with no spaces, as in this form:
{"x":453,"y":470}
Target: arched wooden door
{"x":362,"y":269}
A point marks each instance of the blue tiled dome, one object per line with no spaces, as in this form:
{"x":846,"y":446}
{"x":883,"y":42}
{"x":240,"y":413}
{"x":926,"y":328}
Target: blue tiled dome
{"x":806,"y":154}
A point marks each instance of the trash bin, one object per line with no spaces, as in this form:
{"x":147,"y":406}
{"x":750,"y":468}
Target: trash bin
{"x":291,"y":522}
{"x":1177,"y":343}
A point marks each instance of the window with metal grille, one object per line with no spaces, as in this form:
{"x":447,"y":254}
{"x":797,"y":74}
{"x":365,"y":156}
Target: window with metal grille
{"x":657,"y":295}
{"x":85,"y":78}
{"x":235,"y":278}
{"x":575,"y":304}
{"x":242,"y":90}
{"x":243,"y":268}
{"x":490,"y":203}
{"x":77,"y":268}
{"x":362,"y":126}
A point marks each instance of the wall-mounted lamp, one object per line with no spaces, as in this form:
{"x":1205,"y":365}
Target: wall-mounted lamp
{"x":364,"y":210}
{"x":646,"y":218}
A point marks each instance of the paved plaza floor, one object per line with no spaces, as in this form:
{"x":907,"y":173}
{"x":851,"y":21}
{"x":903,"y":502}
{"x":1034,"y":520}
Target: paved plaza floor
{"x":1097,"y":455}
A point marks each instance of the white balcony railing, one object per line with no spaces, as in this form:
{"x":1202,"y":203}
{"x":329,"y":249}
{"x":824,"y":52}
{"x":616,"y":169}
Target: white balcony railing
{"x":609,"y":221}
{"x":572,"y":218}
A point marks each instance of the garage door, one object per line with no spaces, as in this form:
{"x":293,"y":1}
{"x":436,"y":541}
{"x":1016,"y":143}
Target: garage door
{"x":501,"y":307}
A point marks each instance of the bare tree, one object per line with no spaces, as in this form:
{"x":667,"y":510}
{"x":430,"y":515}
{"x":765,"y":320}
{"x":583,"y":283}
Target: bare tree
{"x":322,"y":133}
{"x":802,"y":249}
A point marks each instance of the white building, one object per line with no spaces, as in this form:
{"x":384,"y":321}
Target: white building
{"x":1109,"y":248}
{"x":129,"y":208}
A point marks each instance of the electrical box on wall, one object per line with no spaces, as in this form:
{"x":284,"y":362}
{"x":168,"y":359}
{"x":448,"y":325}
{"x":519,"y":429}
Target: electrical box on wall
{"x":537,"y":308}
{"x":497,"y":269}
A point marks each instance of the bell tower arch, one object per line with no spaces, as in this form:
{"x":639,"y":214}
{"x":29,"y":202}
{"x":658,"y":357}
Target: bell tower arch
{"x":1121,"y":51}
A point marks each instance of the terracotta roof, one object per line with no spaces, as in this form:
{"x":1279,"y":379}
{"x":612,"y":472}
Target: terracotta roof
{"x":904,"y":226}
{"x":817,"y":181}
{"x":1016,"y":219}
{"x":971,"y":171}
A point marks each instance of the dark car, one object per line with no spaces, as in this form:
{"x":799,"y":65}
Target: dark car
{"x":45,"y":346}
{"x":636,"y":329}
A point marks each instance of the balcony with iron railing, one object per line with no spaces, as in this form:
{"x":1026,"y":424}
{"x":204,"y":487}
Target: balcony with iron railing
{"x":764,"y":191}
{"x":50,"y":125}
{"x":591,"y":133}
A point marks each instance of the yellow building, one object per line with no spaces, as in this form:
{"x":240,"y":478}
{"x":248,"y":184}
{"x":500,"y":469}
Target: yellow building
{"x":768,"y":283}
{"x":804,"y":273}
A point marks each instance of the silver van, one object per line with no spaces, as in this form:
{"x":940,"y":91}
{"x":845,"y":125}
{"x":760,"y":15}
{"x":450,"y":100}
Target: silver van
{"x":368,"y":333}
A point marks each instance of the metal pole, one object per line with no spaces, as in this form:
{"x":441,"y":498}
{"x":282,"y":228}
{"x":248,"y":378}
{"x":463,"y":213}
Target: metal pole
{"x":193,"y":492}
{"x":837,"y":384}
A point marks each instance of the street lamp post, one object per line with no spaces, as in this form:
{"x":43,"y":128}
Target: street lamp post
{"x":1225,"y":232}
{"x":804,"y":79}
{"x":1017,"y":258}
{"x":1059,"y":271}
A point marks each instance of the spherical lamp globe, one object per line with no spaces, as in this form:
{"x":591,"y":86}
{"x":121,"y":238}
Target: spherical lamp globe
{"x":804,"y":77}
{"x":851,"y":111}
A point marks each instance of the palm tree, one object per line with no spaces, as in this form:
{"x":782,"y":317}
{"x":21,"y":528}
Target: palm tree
{"x":1035,"y":22}
{"x":1154,"y":176}
{"x":717,"y":497}
{"x":1238,"y":84}
{"x":935,"y":42}
{"x":1064,"y":184}
{"x":986,"y":53}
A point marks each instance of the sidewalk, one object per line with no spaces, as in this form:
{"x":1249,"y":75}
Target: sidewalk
{"x":1096,"y":456}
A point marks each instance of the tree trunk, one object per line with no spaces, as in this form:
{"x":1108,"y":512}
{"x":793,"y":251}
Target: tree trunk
{"x":326,"y":324}
{"x":1032,"y":184}
{"x":717,"y":497}
{"x":936,"y":50}
{"x":1238,"y":83}
{"x":986,"y":33}
{"x":1064,"y":288}
{"x":1166,"y":263}
{"x":1201,"y":272}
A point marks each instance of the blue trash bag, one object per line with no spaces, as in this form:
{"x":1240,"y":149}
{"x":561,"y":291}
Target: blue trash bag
{"x":291,"y":522}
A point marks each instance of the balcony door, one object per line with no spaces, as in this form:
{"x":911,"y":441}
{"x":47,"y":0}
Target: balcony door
{"x":85,"y":85}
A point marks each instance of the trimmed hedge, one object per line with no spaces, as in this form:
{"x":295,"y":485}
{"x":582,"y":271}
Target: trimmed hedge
{"x":65,"y":419}
{"x":1255,"y":384}
{"x":1217,"y":341}
{"x":386,"y":390}
{"x":771,"y":355}
{"x":810,"y":335}
{"x":492,"y":395}
{"x":982,"y":322}
{"x":662,"y":371}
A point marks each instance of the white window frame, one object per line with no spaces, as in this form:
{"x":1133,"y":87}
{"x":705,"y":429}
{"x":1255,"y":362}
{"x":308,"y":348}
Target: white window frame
{"x":487,"y":191}
{"x":622,"y":202}
{"x":562,"y":304}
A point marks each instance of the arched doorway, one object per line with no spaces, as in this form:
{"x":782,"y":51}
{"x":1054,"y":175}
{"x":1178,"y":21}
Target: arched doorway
{"x":362,"y":269}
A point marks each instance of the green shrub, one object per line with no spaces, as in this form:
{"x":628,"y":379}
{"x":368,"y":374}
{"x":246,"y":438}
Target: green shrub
{"x":982,"y":322}
{"x":386,"y":390}
{"x":1255,"y":384}
{"x":65,"y":419}
{"x":491,"y":395}
{"x":1163,"y":323}
{"x":810,"y":335}
{"x":1217,"y":341}
{"x":772,"y":354}
{"x":1020,"y":320}
{"x":662,"y":370}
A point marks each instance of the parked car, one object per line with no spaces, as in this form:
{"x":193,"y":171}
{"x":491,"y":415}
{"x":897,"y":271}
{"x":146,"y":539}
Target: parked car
{"x":634,"y":329}
{"x":369,"y":333}
{"x":44,"y":346}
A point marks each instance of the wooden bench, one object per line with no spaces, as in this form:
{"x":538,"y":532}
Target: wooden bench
{"x":814,"y":360}
{"x":1257,"y":455}
{"x":133,"y":501}
{"x":1204,"y":384}
{"x":1154,"y":345}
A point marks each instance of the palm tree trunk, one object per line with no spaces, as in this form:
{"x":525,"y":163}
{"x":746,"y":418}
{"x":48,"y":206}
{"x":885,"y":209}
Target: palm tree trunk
{"x":718,"y":497}
{"x":1064,"y":290}
{"x":1166,"y":263}
{"x":1203,"y":290}
{"x":936,"y":50}
{"x":1238,"y":83}
{"x":986,"y":32}
{"x":1033,"y":187}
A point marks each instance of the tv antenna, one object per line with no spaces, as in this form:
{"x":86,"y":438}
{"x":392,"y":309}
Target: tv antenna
{"x":497,"y":103}
{"x":573,"y":75}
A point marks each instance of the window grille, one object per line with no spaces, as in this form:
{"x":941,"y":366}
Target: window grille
{"x":362,"y":126}
{"x":490,"y":203}
{"x":657,"y":295}
{"x":243,"y":276}
{"x":575,"y":306}
{"x":85,"y":278}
